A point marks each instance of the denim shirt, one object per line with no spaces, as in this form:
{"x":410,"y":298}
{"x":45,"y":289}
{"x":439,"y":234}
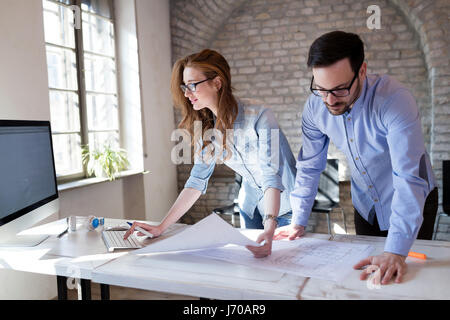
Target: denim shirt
{"x":260,"y":154}
{"x":381,"y":136}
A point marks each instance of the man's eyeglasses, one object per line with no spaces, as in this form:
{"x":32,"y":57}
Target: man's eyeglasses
{"x":341,"y":92}
{"x":191,"y":86}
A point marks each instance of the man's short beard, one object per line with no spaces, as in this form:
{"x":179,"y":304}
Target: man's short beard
{"x":347,"y":106}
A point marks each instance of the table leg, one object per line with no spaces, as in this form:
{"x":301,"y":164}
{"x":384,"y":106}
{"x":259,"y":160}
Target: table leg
{"x":84,"y":289}
{"x":61,"y":282}
{"x":104,"y":291}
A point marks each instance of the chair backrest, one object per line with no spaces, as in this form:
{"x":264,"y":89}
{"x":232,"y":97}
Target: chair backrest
{"x":329,"y":182}
{"x":446,"y":186}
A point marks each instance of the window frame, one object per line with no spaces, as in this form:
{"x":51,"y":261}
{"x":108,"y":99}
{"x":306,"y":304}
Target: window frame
{"x":82,"y":91}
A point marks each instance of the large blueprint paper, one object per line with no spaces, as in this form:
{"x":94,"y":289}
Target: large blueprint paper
{"x":210,"y":232}
{"x":307,"y":257}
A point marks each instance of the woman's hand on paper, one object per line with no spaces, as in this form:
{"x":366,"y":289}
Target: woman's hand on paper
{"x":291,"y":232}
{"x":266,"y":237}
{"x":154,"y":230}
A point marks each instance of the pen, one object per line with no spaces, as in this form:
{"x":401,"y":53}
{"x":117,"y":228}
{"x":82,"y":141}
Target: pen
{"x":63,"y":233}
{"x":417,"y":255}
{"x":137,"y":228}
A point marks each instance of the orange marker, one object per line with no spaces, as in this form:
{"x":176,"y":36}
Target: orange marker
{"x":417,"y":255}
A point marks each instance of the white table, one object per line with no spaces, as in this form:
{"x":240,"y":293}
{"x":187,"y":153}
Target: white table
{"x":73,"y":256}
{"x":83,"y":255}
{"x":192,"y":275}
{"x":425,"y":279}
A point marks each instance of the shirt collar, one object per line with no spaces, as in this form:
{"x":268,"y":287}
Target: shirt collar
{"x":359,"y":103}
{"x":240,"y":115}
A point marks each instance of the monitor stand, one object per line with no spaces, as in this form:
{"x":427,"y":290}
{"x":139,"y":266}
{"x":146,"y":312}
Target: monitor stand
{"x":23,"y":241}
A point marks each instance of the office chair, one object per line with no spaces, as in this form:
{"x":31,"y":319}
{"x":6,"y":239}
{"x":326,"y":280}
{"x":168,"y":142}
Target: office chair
{"x":232,"y":209}
{"x":445,"y":194}
{"x":327,"y":197}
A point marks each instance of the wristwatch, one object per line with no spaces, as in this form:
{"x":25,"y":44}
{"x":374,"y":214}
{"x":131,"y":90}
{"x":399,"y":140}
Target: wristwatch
{"x":270,"y":216}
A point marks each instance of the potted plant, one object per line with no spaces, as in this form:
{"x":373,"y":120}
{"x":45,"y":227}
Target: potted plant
{"x":105,"y":161}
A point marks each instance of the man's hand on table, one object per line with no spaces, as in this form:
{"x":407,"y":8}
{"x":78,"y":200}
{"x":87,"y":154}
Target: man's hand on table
{"x":391,"y":265}
{"x":291,"y":232}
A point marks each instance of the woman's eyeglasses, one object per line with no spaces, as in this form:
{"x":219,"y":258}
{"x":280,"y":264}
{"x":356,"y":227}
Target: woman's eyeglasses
{"x":191,"y":86}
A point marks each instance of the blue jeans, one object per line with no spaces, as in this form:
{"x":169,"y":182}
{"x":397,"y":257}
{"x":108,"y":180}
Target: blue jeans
{"x":257,"y":221}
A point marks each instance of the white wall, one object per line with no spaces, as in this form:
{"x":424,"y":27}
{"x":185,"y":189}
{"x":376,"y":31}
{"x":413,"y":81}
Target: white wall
{"x":153,"y":29}
{"x":23,"y":75}
{"x":23,"y":96}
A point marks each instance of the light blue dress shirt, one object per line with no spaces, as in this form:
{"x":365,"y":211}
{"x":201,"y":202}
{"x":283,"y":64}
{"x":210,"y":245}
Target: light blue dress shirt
{"x":391,"y":172}
{"x":260,"y":154}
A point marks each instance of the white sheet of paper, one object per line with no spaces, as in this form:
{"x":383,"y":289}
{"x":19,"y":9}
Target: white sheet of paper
{"x":307,"y":257}
{"x":210,"y":232}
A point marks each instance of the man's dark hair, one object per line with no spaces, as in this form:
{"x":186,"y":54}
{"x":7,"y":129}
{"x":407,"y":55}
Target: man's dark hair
{"x":334,"y":46}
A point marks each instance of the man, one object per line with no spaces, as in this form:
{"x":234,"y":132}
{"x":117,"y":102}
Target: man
{"x":375,"y":121}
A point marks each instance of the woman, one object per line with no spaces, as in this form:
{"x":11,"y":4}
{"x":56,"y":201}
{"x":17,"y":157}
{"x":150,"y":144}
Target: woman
{"x":245,"y":137}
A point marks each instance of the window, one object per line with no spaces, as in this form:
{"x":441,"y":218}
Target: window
{"x":82,"y":80}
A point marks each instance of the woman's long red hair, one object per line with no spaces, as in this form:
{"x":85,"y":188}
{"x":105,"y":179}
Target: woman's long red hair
{"x":212,"y":64}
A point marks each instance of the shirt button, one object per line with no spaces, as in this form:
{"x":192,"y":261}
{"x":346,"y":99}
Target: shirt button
{"x":363,"y":172}
{"x":349,"y":118}
{"x":356,"y":158}
{"x":371,"y":186}
{"x":351,"y":140}
{"x":376,"y":200}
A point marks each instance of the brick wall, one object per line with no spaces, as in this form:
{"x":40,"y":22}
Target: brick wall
{"x":266,"y":44}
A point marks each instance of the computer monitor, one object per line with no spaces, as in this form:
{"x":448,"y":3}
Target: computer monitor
{"x":28,"y":188}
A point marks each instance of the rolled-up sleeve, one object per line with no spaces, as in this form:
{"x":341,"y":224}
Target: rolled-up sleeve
{"x":269,"y":151}
{"x":200,"y":173}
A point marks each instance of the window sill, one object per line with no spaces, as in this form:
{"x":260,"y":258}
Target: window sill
{"x":91,"y":181}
